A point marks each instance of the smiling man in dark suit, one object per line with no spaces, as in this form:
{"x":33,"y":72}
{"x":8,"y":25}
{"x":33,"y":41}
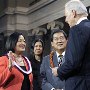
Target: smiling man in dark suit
{"x":76,"y":69}
{"x":58,"y":42}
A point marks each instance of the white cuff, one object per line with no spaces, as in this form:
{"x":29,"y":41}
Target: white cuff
{"x":53,"y":89}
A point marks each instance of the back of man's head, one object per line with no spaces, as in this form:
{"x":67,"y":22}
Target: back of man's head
{"x":76,"y":5}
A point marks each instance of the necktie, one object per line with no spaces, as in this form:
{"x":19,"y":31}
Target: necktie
{"x":60,"y":57}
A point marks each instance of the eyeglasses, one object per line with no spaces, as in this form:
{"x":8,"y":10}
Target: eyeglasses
{"x":58,"y":38}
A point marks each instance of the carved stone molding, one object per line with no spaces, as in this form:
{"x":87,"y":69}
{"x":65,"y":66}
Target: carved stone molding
{"x":39,"y":31}
{"x":55,"y":24}
{"x":51,"y":25}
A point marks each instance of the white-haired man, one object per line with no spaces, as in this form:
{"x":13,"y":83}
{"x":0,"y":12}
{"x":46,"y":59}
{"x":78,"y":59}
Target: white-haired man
{"x":76,"y":69}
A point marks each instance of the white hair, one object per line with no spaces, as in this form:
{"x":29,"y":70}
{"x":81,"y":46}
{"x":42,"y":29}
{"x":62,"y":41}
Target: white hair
{"x":76,"y":5}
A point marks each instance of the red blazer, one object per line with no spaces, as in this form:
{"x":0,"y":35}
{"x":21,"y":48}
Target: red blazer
{"x":11,"y":79}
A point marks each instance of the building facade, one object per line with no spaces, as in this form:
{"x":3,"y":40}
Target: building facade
{"x":34,"y":18}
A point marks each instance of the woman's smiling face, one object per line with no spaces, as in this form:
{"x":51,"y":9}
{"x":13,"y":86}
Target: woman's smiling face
{"x":21,"y":44}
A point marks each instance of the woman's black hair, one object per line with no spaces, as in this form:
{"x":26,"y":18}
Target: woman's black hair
{"x":57,"y":31}
{"x":11,"y":41}
{"x":37,"y":40}
{"x":33,"y":44}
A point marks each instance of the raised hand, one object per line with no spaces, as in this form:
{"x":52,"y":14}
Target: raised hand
{"x":11,"y":59}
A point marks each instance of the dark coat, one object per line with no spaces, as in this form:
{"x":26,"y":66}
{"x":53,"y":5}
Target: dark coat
{"x":76,"y":69}
{"x":36,"y":73}
{"x":49,"y":81}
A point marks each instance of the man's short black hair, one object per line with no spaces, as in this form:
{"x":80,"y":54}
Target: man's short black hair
{"x":57,"y":31}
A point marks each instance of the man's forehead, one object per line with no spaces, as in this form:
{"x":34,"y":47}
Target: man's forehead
{"x":59,"y":34}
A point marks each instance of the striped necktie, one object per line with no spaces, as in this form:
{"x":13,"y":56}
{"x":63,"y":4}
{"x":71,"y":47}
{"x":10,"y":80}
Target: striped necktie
{"x":60,"y":57}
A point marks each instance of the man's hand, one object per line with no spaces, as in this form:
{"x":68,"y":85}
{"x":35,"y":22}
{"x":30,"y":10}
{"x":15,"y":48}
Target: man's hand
{"x":54,"y":71}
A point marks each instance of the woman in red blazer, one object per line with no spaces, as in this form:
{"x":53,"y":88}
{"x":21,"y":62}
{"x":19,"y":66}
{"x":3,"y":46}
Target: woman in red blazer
{"x":15,"y":69}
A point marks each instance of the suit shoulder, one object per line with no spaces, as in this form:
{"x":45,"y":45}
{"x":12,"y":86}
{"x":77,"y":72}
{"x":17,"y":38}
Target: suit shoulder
{"x":45,"y":57}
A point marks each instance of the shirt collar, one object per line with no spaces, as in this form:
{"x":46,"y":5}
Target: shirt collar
{"x":59,"y":54}
{"x":81,"y":19}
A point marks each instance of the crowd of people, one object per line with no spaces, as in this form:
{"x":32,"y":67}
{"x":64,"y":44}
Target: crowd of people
{"x":67,"y":67}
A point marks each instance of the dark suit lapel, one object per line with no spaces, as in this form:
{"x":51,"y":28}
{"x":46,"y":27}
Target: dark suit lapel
{"x":63,"y":59}
{"x":55,"y":59}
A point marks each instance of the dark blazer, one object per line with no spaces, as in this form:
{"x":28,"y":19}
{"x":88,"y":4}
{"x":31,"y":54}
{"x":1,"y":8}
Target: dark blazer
{"x":76,"y":69}
{"x":49,"y":81}
{"x":36,"y":72}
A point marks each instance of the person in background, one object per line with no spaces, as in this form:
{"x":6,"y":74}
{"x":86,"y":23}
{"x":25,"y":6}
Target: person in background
{"x":15,"y":68}
{"x":76,"y":69}
{"x":55,"y":59}
{"x":36,"y":60}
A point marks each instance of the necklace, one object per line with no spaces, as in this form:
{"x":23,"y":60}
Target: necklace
{"x":12,"y":57}
{"x":51,"y":59}
{"x":29,"y":66}
{"x":19,"y":59}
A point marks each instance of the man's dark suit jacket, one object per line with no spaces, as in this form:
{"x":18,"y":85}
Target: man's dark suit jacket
{"x":49,"y":81}
{"x":76,"y":69}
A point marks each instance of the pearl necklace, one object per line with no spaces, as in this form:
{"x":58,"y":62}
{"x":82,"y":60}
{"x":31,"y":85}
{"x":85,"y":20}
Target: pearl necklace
{"x":19,"y":60}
